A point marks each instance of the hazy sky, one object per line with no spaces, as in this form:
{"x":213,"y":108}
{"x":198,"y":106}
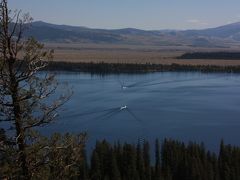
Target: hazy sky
{"x":143,"y":14}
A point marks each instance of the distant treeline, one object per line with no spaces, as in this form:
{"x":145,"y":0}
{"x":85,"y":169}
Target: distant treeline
{"x":212,"y":55}
{"x":115,"y":68}
{"x":174,"y":160}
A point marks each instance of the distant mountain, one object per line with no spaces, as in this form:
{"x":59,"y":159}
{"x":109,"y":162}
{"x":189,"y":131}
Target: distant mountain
{"x":211,"y":37}
{"x":231,"y":31}
{"x":62,"y":33}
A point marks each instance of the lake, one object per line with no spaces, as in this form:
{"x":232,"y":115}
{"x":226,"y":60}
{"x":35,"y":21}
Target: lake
{"x":184,"y":106}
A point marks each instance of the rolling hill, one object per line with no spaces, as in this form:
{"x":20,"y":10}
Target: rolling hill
{"x":212,"y":37}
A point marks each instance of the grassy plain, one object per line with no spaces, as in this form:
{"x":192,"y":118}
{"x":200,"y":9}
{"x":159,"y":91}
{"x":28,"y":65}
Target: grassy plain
{"x":135,"y":54}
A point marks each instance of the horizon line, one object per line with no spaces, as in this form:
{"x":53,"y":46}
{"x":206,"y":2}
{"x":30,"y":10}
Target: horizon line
{"x":165,"y":29}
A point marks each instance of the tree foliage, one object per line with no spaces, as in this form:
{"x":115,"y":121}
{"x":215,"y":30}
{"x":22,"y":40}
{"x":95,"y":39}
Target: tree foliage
{"x":27,"y":100}
{"x":179,"y":161}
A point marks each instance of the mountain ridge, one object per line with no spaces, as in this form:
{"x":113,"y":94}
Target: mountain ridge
{"x":210,"y":37}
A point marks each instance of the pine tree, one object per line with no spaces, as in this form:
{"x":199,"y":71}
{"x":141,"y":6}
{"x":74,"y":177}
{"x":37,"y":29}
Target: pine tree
{"x":83,"y":166}
{"x":118,"y":151}
{"x":129,"y":162}
{"x":223,"y":162}
{"x":115,"y":173}
{"x":95,"y":167}
{"x":146,"y":158}
{"x":157,"y":161}
{"x":140,"y":162}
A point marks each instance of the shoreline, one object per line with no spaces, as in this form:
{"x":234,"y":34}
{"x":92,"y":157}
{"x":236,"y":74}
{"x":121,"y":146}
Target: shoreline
{"x":136,"y":68}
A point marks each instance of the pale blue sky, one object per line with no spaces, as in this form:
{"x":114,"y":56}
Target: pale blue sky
{"x":143,"y":14}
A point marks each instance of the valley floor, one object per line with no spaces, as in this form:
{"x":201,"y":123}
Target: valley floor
{"x":135,"y":54}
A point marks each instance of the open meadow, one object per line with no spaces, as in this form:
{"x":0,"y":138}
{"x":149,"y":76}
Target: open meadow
{"x":135,"y":54}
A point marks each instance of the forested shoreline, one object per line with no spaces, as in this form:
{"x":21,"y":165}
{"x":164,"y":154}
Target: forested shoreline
{"x":212,"y":55}
{"x":115,"y":68}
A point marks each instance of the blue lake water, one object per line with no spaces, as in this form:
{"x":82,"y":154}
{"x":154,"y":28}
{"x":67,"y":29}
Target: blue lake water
{"x":184,"y":106}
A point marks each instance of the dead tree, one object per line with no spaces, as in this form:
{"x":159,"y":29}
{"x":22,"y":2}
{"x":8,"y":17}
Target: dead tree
{"x":24,"y":92}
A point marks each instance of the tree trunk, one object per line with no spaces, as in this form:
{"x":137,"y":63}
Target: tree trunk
{"x":18,"y":122}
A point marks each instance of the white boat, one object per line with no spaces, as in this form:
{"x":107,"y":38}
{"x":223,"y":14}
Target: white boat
{"x":123,"y":107}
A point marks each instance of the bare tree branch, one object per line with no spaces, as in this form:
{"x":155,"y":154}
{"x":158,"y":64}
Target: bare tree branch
{"x":23,"y":91}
